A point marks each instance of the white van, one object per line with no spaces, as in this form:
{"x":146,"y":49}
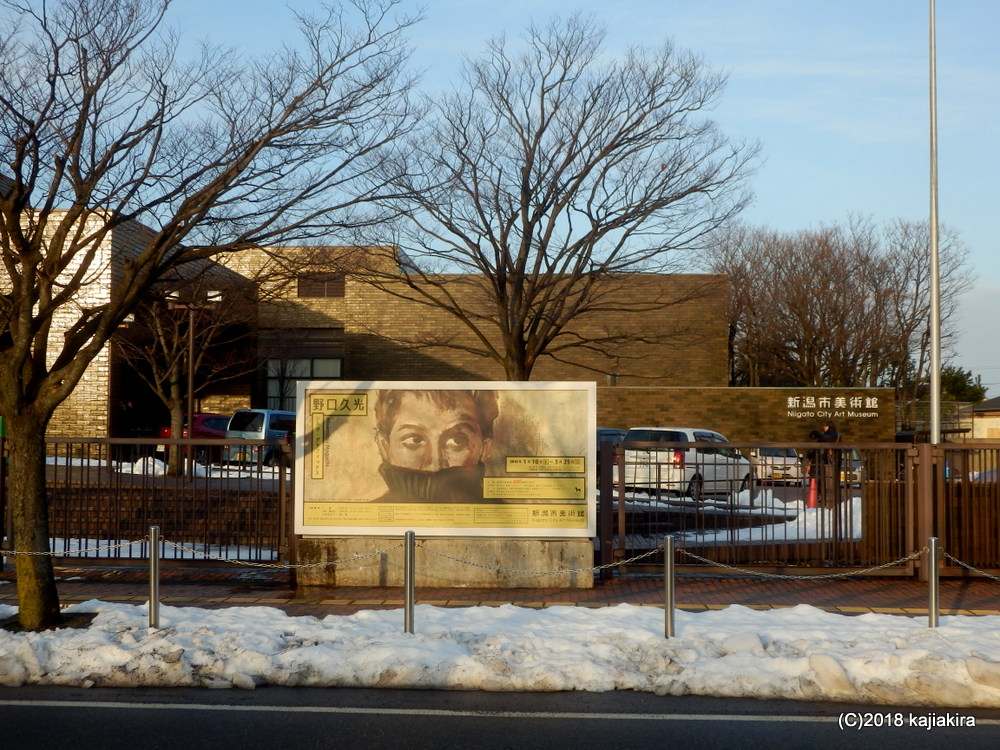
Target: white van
{"x":683,"y":470}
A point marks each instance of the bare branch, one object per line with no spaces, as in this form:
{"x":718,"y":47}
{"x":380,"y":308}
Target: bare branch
{"x":552,"y":179}
{"x":834,"y":307}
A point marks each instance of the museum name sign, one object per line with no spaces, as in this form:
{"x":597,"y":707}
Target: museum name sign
{"x":832,"y":406}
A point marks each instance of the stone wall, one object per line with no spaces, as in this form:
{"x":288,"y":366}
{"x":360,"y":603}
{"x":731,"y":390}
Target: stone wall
{"x":495,"y":563}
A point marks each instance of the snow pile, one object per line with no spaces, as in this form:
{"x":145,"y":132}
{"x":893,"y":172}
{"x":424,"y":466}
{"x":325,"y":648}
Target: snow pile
{"x":799,"y":653}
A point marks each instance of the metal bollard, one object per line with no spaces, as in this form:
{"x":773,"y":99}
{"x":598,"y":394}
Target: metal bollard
{"x":408,"y":575}
{"x":154,"y":577}
{"x":668,"y":585}
{"x":934,"y":591}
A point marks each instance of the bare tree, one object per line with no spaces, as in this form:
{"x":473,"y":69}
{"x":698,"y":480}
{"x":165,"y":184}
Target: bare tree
{"x":838,"y":306}
{"x":189,"y":337}
{"x":102,"y":127}
{"x":546,"y":189}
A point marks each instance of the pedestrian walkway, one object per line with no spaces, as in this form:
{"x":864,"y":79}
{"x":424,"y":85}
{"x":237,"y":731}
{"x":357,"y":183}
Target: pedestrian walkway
{"x":237,"y":587}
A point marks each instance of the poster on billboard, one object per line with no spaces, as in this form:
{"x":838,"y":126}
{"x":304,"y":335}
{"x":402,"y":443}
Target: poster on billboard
{"x":446,"y":459}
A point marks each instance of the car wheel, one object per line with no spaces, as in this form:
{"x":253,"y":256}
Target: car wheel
{"x":695,"y":488}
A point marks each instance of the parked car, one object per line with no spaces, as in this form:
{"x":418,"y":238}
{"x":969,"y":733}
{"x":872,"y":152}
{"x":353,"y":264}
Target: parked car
{"x":204,"y":425}
{"x":683,"y":471}
{"x":778,"y":464}
{"x":609,"y":435}
{"x":257,"y":424}
{"x":852,"y":467}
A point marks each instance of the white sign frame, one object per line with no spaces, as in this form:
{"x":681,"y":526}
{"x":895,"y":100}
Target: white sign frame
{"x":539,"y":473}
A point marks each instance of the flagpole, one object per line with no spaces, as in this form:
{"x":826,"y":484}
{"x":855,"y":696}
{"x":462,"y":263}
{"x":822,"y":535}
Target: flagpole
{"x":935,"y":300}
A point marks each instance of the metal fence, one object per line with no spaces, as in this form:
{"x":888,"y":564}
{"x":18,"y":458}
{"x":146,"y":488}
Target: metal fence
{"x":805,"y":507}
{"x":767,"y":507}
{"x":104,"y":494}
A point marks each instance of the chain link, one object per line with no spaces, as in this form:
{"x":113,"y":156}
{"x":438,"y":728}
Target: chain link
{"x":969,"y":567}
{"x":630,"y":560}
{"x":520,"y":571}
{"x":64,"y":553}
{"x":783,"y":576}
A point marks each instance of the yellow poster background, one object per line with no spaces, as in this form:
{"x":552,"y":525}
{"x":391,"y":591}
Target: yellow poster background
{"x":540,"y":464}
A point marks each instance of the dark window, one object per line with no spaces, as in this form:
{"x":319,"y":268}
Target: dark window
{"x":321,"y":285}
{"x":247,"y":421}
{"x":655,"y":436}
{"x":282,"y":423}
{"x":283,"y":374}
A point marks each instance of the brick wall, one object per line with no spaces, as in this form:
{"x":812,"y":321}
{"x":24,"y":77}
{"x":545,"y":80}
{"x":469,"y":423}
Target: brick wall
{"x":86,"y":413}
{"x":681,"y":383}
{"x":385,"y":337}
{"x":752,"y":414}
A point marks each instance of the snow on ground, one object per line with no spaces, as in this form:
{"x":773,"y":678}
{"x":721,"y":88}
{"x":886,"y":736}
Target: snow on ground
{"x":798,"y":653}
{"x":154,"y":467}
{"x":804,"y":524}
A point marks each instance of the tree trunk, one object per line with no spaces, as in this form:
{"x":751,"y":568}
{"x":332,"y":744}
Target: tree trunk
{"x":175,"y":463}
{"x":38,"y":600}
{"x":518,"y":363}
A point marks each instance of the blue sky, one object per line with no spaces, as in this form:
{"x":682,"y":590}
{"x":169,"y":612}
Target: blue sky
{"x":836,"y":91}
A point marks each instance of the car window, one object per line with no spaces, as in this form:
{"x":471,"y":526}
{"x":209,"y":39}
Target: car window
{"x":655,"y":436}
{"x":216,"y":423}
{"x":708,"y":437}
{"x":282,"y":422}
{"x":247,"y":421}
{"x":779,"y":452}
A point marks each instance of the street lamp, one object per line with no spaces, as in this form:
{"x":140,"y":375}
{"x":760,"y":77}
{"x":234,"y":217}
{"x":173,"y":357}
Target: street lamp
{"x":210,"y":298}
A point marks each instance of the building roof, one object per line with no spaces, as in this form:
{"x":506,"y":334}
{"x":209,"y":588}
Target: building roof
{"x":990,"y":404}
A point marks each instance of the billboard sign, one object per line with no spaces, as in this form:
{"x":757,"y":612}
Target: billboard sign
{"x":449,"y":459}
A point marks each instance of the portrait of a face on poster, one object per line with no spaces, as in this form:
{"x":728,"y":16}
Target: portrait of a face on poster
{"x":447,"y":459}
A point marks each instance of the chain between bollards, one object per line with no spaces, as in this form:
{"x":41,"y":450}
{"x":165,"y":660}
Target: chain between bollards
{"x":154,"y":577}
{"x":668,"y":586}
{"x":408,"y":576}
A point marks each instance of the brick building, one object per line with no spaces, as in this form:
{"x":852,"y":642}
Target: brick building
{"x":317,"y":323}
{"x":94,"y":409}
{"x":87,"y":411}
{"x":324,"y":324}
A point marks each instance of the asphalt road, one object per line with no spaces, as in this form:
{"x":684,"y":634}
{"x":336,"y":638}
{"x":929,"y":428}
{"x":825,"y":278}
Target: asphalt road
{"x":306,"y":718}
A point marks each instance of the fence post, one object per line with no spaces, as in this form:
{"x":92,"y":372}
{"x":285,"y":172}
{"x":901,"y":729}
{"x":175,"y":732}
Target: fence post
{"x":154,"y":577}
{"x":668,"y":585}
{"x":605,"y":508}
{"x":922,"y":485}
{"x":408,"y":575}
{"x":933,"y":593}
